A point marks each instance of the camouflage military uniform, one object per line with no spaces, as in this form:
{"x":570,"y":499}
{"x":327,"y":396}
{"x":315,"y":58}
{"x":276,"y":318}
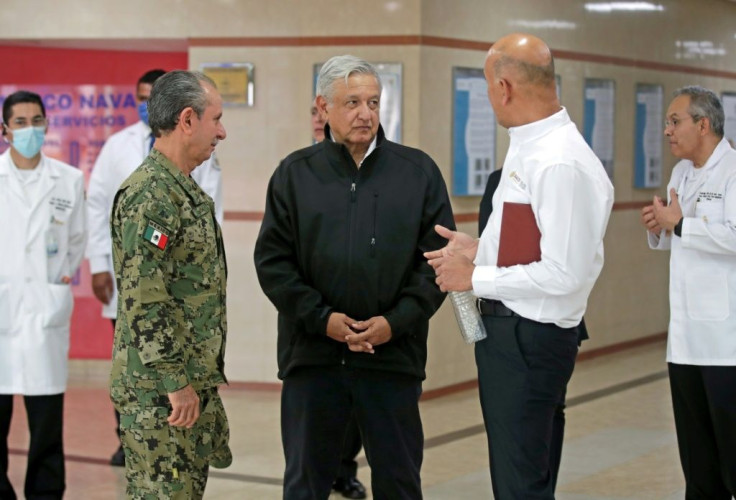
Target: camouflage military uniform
{"x":170,"y":266}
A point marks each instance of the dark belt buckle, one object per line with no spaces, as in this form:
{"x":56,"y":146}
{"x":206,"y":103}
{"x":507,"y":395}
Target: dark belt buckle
{"x":478,"y":303}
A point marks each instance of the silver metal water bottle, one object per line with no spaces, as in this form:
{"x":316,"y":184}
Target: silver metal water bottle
{"x":468,"y":316}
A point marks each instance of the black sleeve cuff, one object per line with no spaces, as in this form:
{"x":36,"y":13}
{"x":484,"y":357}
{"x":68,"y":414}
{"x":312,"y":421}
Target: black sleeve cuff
{"x":678,"y":227}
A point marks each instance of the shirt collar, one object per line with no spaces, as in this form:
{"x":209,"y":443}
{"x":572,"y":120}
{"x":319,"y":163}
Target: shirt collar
{"x":371,"y":147}
{"x":721,"y":149}
{"x":539,"y":128}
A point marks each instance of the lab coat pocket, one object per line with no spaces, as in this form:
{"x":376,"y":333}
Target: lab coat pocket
{"x":710,"y":211}
{"x":60,"y":305}
{"x":706,"y":293}
{"x":4,"y":307}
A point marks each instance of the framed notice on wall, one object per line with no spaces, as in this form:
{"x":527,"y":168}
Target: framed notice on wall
{"x":648,"y":136}
{"x":598,"y":119}
{"x":391,"y":97}
{"x":729,"y":106}
{"x":234,"y":81}
{"x":473,"y":132}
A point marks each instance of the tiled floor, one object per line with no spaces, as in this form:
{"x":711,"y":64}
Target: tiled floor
{"x":619,"y":444}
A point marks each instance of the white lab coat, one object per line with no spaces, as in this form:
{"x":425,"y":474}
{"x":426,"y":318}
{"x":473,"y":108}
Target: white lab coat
{"x":43,"y":240}
{"x":122,"y":153}
{"x":702,"y":328}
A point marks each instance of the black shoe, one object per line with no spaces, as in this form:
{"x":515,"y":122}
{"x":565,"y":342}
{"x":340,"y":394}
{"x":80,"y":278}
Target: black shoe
{"x":350,"y":487}
{"x":118,"y":458}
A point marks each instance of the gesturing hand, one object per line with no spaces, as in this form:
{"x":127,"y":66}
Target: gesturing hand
{"x":457,"y":244}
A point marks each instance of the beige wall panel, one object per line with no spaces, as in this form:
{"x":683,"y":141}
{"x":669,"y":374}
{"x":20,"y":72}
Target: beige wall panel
{"x":449,"y":359}
{"x":654,"y":36}
{"x":630,"y":298}
{"x":288,"y":18}
{"x":251,"y":318}
{"x":211,"y":18}
{"x":82,"y":19}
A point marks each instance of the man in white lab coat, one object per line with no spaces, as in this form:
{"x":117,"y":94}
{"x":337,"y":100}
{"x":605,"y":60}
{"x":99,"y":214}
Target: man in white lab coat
{"x":43,"y":220}
{"x":698,"y":226}
{"x":122,"y":153}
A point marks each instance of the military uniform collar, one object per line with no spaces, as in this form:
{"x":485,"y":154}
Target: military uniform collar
{"x":185,"y":181}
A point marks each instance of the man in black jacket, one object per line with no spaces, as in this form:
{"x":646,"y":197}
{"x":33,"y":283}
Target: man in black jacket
{"x":340,"y":255}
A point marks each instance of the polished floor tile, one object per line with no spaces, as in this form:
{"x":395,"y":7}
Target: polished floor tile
{"x":619,"y":443}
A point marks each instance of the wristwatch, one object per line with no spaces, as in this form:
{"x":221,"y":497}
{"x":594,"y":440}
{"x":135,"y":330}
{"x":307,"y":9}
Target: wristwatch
{"x":678,"y":227}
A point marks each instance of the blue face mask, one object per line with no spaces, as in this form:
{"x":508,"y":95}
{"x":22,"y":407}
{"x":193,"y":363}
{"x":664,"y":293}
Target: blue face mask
{"x":28,"y":141}
{"x":143,"y":112}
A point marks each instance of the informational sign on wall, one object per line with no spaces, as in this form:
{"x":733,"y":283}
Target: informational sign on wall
{"x":648,"y":136}
{"x":598,"y":120}
{"x":80,"y":119}
{"x":729,"y":106}
{"x":473,"y":133}
{"x":391,"y":97}
{"x":235,"y":82}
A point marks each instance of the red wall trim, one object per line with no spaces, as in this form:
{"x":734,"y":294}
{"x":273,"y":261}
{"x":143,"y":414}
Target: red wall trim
{"x":460,"y":218}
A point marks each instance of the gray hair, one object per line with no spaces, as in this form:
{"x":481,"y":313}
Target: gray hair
{"x":171,"y":94}
{"x":530,"y":73}
{"x":342,"y":67}
{"x":704,"y":103}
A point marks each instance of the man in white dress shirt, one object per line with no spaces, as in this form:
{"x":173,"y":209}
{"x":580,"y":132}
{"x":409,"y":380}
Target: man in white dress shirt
{"x":122,"y":153}
{"x":698,"y":226}
{"x":531,"y":311}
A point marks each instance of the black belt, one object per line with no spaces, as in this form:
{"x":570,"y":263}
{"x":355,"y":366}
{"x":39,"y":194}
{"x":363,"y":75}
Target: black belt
{"x":494,"y":308}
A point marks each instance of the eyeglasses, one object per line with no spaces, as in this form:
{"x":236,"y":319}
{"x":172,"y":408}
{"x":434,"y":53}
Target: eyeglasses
{"x":21,"y":122}
{"x":674,"y":122}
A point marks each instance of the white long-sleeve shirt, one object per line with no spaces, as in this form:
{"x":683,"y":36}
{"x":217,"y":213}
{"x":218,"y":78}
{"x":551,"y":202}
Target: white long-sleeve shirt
{"x":702,"y":328}
{"x":549,"y":166}
{"x":122,"y":153}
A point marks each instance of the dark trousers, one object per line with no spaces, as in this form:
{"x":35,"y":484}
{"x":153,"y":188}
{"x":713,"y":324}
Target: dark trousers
{"x":523,"y":370}
{"x":317,"y":404}
{"x":704,"y":404}
{"x":45,"y":469}
{"x":350,"y":449}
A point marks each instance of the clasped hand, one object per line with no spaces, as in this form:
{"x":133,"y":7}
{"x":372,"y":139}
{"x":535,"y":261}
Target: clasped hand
{"x":361,"y":336}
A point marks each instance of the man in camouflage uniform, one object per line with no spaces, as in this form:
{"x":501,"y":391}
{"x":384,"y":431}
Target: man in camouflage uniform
{"x":168,"y":356}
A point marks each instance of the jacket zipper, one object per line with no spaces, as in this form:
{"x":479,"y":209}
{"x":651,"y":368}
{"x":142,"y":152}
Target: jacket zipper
{"x":375,"y":222}
{"x":353,"y":198}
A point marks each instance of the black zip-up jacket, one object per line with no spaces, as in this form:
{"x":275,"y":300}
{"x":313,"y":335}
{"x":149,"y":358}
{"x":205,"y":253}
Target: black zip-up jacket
{"x":338,"y":238}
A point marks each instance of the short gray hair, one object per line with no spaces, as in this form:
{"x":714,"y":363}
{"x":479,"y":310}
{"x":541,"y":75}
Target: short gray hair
{"x":704,"y":103}
{"x":171,"y":94}
{"x":530,"y":73}
{"x":342,"y":67}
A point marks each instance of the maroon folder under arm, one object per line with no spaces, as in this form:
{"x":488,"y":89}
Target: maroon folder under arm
{"x":520,"y":236}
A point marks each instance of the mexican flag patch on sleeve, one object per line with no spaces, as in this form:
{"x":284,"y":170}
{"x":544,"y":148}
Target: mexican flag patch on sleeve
{"x":156,"y":234}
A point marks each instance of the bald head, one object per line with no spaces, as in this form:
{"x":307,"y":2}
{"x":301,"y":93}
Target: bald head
{"x":524,"y":58}
{"x":520,"y":74}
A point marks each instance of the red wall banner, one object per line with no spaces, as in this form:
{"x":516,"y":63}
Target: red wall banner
{"x":88,"y":95}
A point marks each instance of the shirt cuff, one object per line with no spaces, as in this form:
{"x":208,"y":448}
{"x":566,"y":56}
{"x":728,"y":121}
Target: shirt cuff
{"x":99,"y":264}
{"x":484,"y":282}
{"x":175,"y":380}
